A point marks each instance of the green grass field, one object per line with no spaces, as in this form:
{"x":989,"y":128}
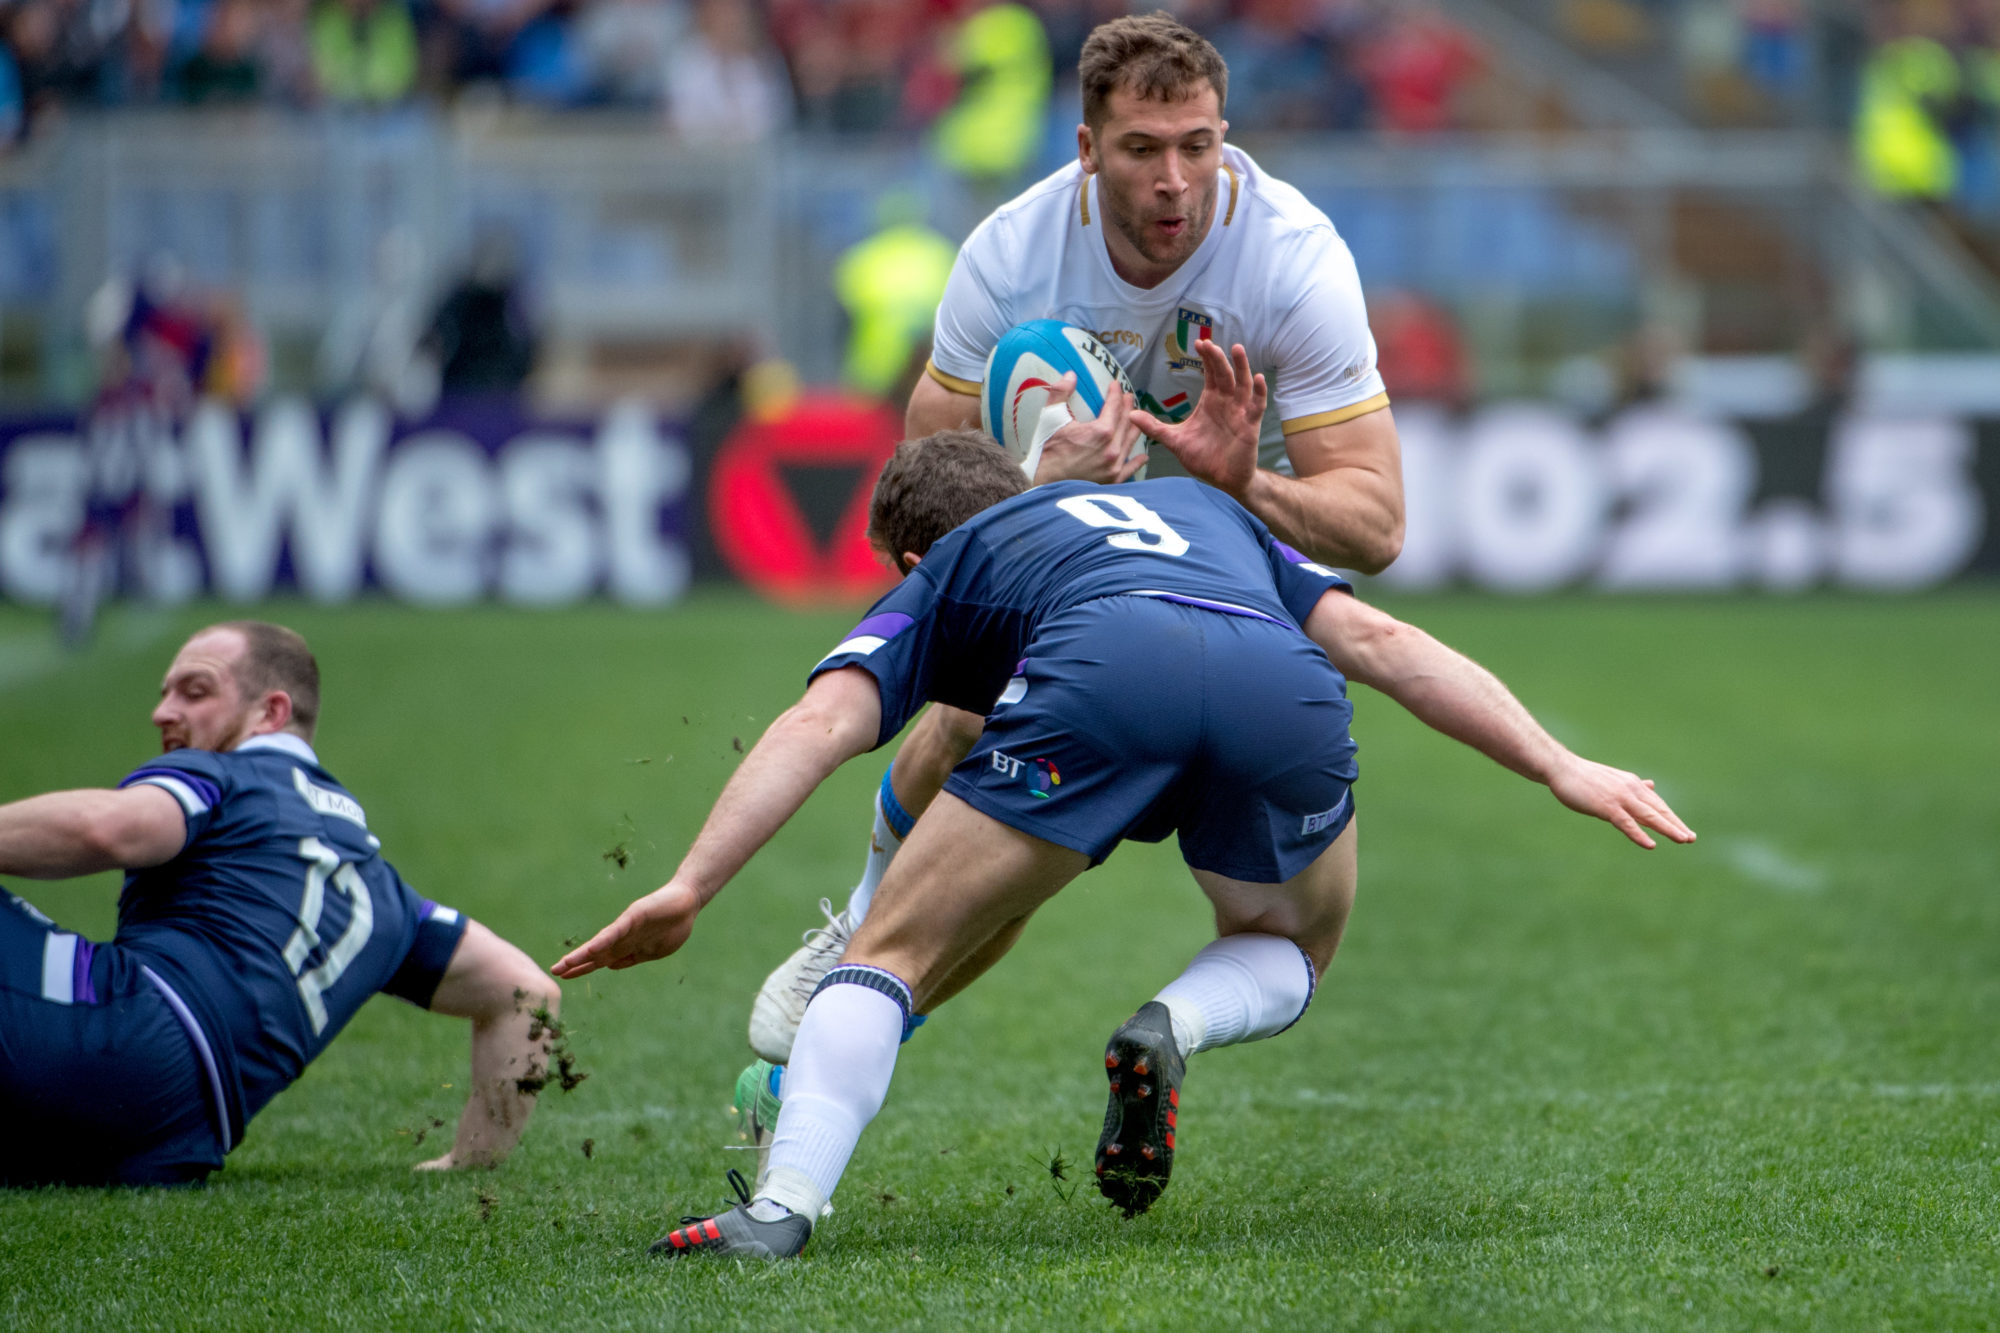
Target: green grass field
{"x":1551,"y":1081}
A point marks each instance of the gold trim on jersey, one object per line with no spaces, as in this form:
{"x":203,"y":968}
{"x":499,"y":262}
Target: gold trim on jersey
{"x":952,"y":382}
{"x":1335,"y":417}
{"x":1083,"y":198}
{"x":1231,"y":213}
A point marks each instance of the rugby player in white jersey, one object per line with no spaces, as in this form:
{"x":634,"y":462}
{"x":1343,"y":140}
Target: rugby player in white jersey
{"x":1169,"y":246}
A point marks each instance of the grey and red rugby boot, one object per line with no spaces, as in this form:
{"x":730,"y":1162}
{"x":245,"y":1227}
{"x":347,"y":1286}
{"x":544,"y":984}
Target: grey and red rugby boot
{"x":1135,"y":1154}
{"x":735,"y":1234}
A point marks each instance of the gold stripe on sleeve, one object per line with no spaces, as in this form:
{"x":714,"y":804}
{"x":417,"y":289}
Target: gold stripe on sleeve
{"x":1335,"y":417}
{"x":1231,"y":213}
{"x":957,"y":385}
{"x":1083,"y":198}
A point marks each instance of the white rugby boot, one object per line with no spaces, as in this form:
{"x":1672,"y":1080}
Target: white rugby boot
{"x":781,"y":1002}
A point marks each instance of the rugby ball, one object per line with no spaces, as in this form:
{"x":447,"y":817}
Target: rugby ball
{"x":1029,"y":360}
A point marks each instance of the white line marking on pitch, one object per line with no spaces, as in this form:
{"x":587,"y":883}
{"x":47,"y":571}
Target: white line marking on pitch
{"x":1769,"y":865}
{"x":35,"y":655}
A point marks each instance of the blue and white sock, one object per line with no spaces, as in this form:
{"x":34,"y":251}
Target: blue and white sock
{"x":842,"y":1062}
{"x":1240,"y":988}
{"x":892,"y":825}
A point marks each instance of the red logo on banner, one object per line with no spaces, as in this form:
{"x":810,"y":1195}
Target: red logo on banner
{"x":788,"y":499}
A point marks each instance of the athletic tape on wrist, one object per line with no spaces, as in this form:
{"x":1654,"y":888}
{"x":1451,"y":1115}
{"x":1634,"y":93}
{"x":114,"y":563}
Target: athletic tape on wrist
{"x":899,"y":820}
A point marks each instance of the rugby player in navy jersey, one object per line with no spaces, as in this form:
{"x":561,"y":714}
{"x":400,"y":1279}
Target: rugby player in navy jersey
{"x":257,"y":916}
{"x":1149,"y":660}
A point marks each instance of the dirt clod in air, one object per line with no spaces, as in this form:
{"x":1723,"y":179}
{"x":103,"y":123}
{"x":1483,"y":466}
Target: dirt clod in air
{"x":589,"y":1149}
{"x":737,"y":741}
{"x":541,"y":1023}
{"x":487,"y":1203}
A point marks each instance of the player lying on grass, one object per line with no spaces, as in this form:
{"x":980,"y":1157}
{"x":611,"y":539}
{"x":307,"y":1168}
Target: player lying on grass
{"x":1168,"y":241}
{"x":1139,"y":656}
{"x":257,"y":915}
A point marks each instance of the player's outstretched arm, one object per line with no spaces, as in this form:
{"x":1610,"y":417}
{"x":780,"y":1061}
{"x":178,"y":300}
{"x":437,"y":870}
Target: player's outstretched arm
{"x":839,"y":718}
{"x":1451,"y":693}
{"x":513,"y":1005}
{"x":68,"y":833}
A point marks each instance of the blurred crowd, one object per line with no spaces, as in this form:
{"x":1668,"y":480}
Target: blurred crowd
{"x":735,"y":69}
{"x":1927,"y":110}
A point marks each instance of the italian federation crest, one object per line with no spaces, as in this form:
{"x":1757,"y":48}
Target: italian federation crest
{"x":1191,"y":327}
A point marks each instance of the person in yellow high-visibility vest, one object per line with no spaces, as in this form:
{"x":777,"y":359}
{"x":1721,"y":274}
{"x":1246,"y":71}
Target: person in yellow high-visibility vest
{"x":890,"y":285}
{"x":1900,"y":140}
{"x":991,"y":132}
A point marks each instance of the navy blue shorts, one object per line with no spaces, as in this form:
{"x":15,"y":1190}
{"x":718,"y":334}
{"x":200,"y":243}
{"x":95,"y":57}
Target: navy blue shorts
{"x":100,"y":1083}
{"x":1142,"y":717}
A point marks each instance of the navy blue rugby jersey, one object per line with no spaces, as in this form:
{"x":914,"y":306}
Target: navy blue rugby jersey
{"x":955,"y":628}
{"x":279,"y":917}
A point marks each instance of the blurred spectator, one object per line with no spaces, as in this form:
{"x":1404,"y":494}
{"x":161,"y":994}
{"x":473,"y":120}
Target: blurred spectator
{"x":724,"y":84}
{"x":13,"y":99}
{"x":890,"y":285}
{"x":364,"y":52}
{"x":1419,"y":351}
{"x":1415,"y":64}
{"x":1278,"y":66}
{"x":472,"y":41}
{"x":371,"y":343}
{"x":543,"y":63}
{"x":481,"y":336}
{"x":224,"y":67}
{"x":1911,"y":91}
{"x":623,"y":47}
{"x":851,"y":59}
{"x":1001,"y":59}
{"x":1774,"y":46}
{"x":165,"y":347}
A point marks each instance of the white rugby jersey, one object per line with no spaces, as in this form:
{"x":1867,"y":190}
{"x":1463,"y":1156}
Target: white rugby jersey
{"x":1272,"y":274}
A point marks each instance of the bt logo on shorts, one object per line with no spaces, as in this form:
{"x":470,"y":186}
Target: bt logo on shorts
{"x":1040,"y":774}
{"x":1315,"y":823}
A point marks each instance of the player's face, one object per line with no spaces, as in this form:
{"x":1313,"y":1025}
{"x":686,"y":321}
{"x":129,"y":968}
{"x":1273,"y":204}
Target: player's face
{"x":201,"y":705}
{"x":1156,"y":165}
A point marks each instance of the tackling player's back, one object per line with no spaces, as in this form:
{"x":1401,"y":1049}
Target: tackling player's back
{"x":958,"y":625}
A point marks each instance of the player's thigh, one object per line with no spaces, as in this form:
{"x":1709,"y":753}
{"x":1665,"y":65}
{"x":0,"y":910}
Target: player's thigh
{"x":957,"y":883}
{"x":1310,"y":908}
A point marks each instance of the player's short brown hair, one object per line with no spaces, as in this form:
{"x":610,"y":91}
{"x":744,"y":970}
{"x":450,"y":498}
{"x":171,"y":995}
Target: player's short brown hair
{"x":276,"y":658}
{"x":1153,"y":56}
{"x":930,"y":486}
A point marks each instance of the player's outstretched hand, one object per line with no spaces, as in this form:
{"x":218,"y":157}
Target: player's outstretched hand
{"x":1218,"y":442}
{"x":1624,"y":800}
{"x":1096,"y":450}
{"x":652,"y":927}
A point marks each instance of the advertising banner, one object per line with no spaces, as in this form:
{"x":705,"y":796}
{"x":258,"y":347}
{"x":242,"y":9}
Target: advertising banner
{"x":480,"y":501}
{"x":1524,"y":498}
{"x":475,"y":501}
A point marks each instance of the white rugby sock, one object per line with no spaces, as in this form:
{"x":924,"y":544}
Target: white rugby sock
{"x":841,"y":1065}
{"x":892,"y":825}
{"x":1240,"y":988}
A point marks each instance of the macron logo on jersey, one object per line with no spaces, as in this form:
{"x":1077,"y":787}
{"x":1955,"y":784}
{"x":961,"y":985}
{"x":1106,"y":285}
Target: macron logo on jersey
{"x":869,"y":635}
{"x":329,"y":802}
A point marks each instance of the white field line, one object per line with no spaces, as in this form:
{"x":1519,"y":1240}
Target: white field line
{"x":1768,"y":864}
{"x":1655,"y":1092}
{"x":26,"y":658}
